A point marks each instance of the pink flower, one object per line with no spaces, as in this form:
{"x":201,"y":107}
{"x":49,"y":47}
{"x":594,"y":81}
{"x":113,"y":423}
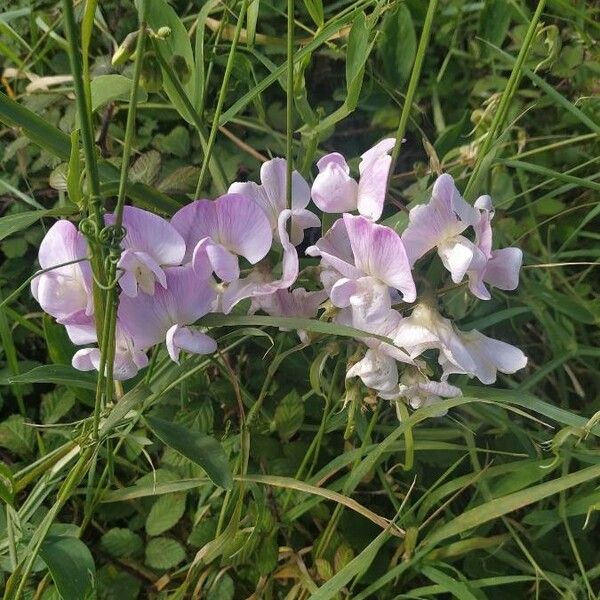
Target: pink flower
{"x":217,"y":232}
{"x":66,"y":292}
{"x":270,"y":195}
{"x":334,"y":191}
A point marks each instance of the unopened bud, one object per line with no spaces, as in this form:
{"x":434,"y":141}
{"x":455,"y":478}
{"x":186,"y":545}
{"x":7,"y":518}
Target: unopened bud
{"x":125,"y":50}
{"x":163,"y":32}
{"x":181,"y":68}
{"x":151,"y":75}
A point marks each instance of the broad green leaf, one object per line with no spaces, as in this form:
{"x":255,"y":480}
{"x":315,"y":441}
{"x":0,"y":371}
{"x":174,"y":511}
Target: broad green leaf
{"x":17,"y":222}
{"x":289,"y":415}
{"x":17,"y":436}
{"x":62,"y":374}
{"x":71,"y":565}
{"x":120,"y":542}
{"x":458,"y":589}
{"x":202,"y":449}
{"x":165,"y":513}
{"x":160,"y":14}
{"x":494,"y":21}
{"x":397,"y":46}
{"x":358,"y":42}
{"x":55,"y":405}
{"x":108,"y":88}
{"x":164,"y":553}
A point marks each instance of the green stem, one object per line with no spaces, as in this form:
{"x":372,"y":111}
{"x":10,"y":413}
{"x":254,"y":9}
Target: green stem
{"x":289,"y":119}
{"x":412,"y":84}
{"x":505,"y":101}
{"x":222,"y":95}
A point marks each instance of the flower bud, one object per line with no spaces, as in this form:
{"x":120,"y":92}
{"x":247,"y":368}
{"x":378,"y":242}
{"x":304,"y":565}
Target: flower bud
{"x":163,"y":32}
{"x":125,"y":50}
{"x":181,"y":68}
{"x":151,"y":75}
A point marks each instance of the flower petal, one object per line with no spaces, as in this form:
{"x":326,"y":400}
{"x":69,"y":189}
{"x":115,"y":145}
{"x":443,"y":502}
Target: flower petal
{"x":374,"y":171}
{"x":376,"y":370}
{"x":333,"y":190}
{"x":190,"y":340}
{"x":379,"y":252}
{"x":149,"y":233}
{"x":502,"y":270}
{"x":336,"y":251}
{"x":302,"y":219}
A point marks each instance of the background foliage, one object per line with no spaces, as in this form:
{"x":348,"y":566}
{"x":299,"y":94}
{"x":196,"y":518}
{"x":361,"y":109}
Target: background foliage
{"x":496,"y":499}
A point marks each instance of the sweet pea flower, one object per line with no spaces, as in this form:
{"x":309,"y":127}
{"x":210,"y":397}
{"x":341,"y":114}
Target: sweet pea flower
{"x":169,"y":314}
{"x":295,"y":303}
{"x":150,"y":245}
{"x":501,"y":267}
{"x":419,"y":391}
{"x":358,"y":255}
{"x":334,"y":191}
{"x":270,"y":195}
{"x":260,"y":281}
{"x":128,"y":359}
{"x":465,"y":352}
{"x":217,"y":232}
{"x":65,"y":292}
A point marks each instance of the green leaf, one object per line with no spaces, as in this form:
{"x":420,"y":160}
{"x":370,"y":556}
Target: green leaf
{"x":160,"y":14}
{"x":120,"y":542}
{"x":494,"y":21}
{"x":358,"y":42}
{"x":289,"y":415}
{"x":176,"y":142}
{"x":398,"y":45}
{"x":17,"y":222}
{"x":146,"y":168}
{"x":55,"y":405}
{"x":108,"y":88}
{"x":17,"y":436}
{"x":315,"y":10}
{"x":197,"y":447}
{"x":74,"y":170}
{"x":222,"y":589}
{"x":164,"y":553}
{"x":165,"y":513}
{"x":62,"y":374}
{"x":71,"y":565}
{"x":58,"y":144}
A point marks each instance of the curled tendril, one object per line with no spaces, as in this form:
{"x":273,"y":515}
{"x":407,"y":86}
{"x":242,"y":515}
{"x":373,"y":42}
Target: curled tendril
{"x":112,"y":236}
{"x":89,"y":229}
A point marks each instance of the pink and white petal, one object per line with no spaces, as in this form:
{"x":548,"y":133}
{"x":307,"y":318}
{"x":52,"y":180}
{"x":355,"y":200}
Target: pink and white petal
{"x":80,"y":328}
{"x":189,"y":340}
{"x":62,"y":243}
{"x":224,"y":264}
{"x":485,"y":203}
{"x":61,"y":295}
{"x":256,"y":192}
{"x":128,"y":284}
{"x":379,"y":252}
{"x":374,"y":171}
{"x":190,"y":297}
{"x":194,"y":222}
{"x":302,"y":219}
{"x":457,"y":255}
{"x":149,"y":233}
{"x":444,"y":193}
{"x":380,"y":149}
{"x":243,"y":227}
{"x":300,"y":191}
{"x":502,"y":270}
{"x":491,"y":355}
{"x":273,"y":175}
{"x":342,"y":292}
{"x":86,"y":359}
{"x":127,"y":363}
{"x":377,"y":371}
{"x":333,"y":190}
{"x":335,"y":251}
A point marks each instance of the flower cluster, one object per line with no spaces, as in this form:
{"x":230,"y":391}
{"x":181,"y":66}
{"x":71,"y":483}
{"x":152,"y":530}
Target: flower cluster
{"x":215,"y":253}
